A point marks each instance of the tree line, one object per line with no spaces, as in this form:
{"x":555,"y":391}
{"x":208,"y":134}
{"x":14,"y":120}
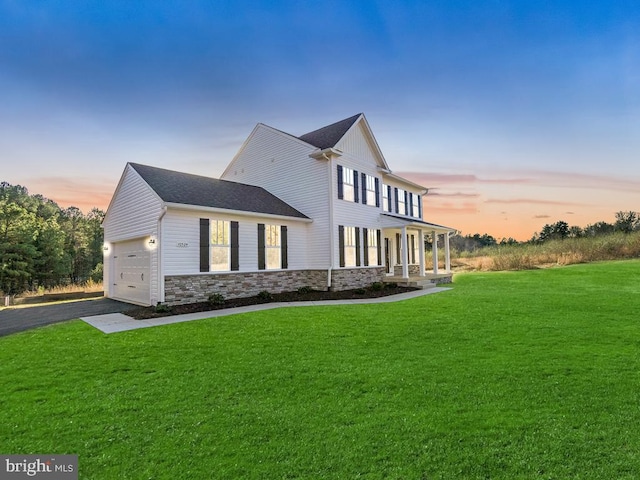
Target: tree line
{"x":44,"y":245}
{"x":625,"y":222}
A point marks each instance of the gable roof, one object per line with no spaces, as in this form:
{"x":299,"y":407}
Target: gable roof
{"x":188,"y":189}
{"x":329,"y":136}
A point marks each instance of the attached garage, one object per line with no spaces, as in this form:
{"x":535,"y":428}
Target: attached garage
{"x":132,"y":271}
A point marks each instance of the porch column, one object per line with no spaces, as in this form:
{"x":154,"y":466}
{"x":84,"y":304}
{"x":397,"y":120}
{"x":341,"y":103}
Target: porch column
{"x":405,"y":251}
{"x":447,"y":253}
{"x":421,"y":251}
{"x":434,"y":250}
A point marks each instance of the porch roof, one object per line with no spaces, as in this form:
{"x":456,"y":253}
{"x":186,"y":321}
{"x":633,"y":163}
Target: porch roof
{"x":396,"y":221}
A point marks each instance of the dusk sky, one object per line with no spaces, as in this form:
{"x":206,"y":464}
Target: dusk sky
{"x":514,"y":114}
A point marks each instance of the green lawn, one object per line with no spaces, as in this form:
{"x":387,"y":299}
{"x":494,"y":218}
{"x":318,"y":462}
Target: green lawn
{"x":509,"y":375}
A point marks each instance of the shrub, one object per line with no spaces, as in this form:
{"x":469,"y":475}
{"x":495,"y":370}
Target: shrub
{"x":377,"y":286}
{"x":303,"y":290}
{"x":265,"y":295}
{"x":360,"y":291}
{"x":215,"y":299}
{"x":162,"y":308}
{"x":391,"y":285}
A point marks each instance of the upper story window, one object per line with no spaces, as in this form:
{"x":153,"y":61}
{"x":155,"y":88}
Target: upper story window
{"x":220,"y":245}
{"x":370,"y":187}
{"x":401,"y":201}
{"x":347,"y":184}
{"x":415,"y":205}
{"x":386,"y":198}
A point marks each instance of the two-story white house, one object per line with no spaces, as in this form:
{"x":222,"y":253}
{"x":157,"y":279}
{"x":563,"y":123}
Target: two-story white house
{"x":322,"y":210}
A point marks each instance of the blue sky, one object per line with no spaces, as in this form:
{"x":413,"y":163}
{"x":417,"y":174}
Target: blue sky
{"x":515,"y":113}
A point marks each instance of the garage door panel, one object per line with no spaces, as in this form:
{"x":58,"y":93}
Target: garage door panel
{"x":132,"y":271}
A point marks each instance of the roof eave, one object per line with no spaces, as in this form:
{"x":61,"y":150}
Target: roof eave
{"x":243,"y":213}
{"x":325,"y":153}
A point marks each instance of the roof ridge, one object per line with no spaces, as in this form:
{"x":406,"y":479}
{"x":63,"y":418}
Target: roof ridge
{"x":329,"y":135}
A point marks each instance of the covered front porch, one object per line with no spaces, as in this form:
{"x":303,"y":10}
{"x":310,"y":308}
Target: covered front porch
{"x":405,"y":255}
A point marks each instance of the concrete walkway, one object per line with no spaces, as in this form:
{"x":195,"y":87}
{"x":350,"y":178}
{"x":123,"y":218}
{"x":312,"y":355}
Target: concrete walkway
{"x":118,"y":322}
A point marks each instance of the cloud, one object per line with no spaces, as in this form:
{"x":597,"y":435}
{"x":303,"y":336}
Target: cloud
{"x":540,"y":178}
{"x":532,"y":201}
{"x":433,"y":178}
{"x":541,"y":216}
{"x":436,"y":193}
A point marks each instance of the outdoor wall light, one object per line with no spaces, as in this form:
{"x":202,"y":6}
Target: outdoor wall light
{"x":152,"y":241}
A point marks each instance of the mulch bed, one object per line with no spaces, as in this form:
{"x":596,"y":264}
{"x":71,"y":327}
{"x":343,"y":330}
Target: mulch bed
{"x":305,"y":296}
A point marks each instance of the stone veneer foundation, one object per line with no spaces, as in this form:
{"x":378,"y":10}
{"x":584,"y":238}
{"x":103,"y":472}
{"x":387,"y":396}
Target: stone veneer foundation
{"x":183,"y":289}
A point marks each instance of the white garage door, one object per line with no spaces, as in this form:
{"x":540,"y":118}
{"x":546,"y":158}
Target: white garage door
{"x":131,"y":272}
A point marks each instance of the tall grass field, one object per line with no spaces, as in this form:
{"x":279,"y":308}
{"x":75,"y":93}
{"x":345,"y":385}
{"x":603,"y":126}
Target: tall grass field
{"x":509,"y":375}
{"x":525,"y":256}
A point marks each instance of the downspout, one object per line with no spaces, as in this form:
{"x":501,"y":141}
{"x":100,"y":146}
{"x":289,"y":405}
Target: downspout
{"x":331,"y":226}
{"x":159,"y":254}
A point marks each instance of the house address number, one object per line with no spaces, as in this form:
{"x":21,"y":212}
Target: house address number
{"x":182,"y":244}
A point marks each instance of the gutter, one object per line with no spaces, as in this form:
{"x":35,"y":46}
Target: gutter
{"x":159,"y":254}
{"x":331,"y":223}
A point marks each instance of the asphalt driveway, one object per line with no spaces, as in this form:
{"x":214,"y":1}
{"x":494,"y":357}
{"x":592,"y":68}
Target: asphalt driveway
{"x":14,"y":320}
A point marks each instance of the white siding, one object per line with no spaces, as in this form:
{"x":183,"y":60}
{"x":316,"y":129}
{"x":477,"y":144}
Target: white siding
{"x":281,"y":164}
{"x":134,"y":210}
{"x":181,"y":241}
{"x":132,"y":214}
{"x":357,"y":147}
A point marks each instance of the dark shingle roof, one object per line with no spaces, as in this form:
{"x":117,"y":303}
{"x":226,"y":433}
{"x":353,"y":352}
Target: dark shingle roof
{"x":188,"y":189}
{"x":327,"y":137}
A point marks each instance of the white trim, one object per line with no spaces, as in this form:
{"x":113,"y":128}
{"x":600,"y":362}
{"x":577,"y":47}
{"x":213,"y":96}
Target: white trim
{"x":240,"y":213}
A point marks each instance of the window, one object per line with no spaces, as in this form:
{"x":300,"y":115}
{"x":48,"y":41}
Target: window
{"x":272,"y":247}
{"x":220,"y":245}
{"x":373,"y":254}
{"x":386,"y":201}
{"x":401,"y":201}
{"x":413,"y":249}
{"x":369,"y":196}
{"x":348,"y":184}
{"x":349,"y":246}
{"x":415,"y":205}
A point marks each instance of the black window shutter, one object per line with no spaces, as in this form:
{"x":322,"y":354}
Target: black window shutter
{"x":204,"y":245}
{"x":235,"y":247}
{"x":364,"y":188}
{"x":406,"y":202}
{"x":283,"y":247}
{"x":419,"y":207}
{"x":398,"y":240}
{"x":411,"y":204}
{"x":365,"y":238}
{"x":379,"y":236}
{"x":357,"y":246}
{"x":340,"y":183}
{"x":356,"y":190}
{"x":377,"y":181}
{"x":341,"y":244}
{"x":389,"y":196}
{"x":395,"y":196}
{"x":261,"y":252}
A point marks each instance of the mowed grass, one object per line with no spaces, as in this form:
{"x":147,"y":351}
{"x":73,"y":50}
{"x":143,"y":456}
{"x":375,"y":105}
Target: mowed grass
{"x":511,"y":375}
